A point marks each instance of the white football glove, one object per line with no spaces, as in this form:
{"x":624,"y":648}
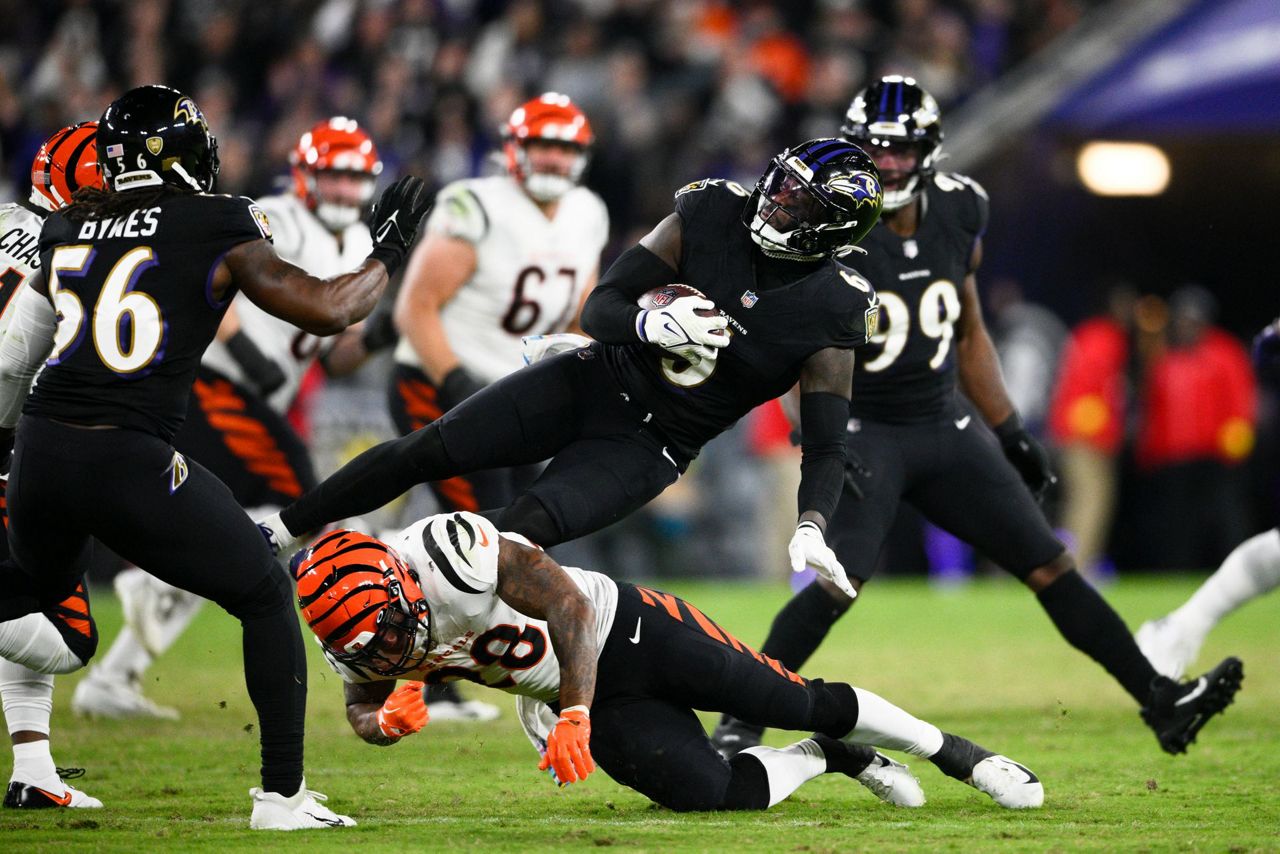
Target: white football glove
{"x":679,"y":330}
{"x":808,"y":548}
{"x":535,"y":348}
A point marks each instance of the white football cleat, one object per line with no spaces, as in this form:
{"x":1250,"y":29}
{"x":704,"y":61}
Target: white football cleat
{"x":48,"y":792}
{"x":892,"y":782}
{"x":100,"y":697}
{"x":1009,"y":784}
{"x":1169,"y":648}
{"x":155,"y":610}
{"x":305,"y":810}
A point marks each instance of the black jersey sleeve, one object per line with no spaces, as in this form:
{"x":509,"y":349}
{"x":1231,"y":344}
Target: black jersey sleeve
{"x":855,"y":312}
{"x":967,"y":200}
{"x":236,"y":219}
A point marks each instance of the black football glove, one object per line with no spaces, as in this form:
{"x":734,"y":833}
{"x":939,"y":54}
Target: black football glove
{"x":1027,"y":455}
{"x":395,"y":220}
{"x":457,"y":386}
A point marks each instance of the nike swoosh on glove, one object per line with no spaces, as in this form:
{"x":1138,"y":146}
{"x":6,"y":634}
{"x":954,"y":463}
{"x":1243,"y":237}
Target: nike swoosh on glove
{"x":808,"y":548}
{"x":395,"y":219}
{"x":569,"y":746}
{"x":679,"y":329}
{"x":404,"y":712}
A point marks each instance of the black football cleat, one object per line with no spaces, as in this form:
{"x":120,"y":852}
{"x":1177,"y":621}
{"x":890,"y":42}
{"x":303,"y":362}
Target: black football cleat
{"x":50,"y":793}
{"x":1178,"y":711}
{"x":733,"y":736}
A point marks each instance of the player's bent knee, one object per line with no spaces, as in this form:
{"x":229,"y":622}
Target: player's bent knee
{"x":1042,"y":576}
{"x":529,"y":517}
{"x":748,"y":787}
{"x":835,"y":708}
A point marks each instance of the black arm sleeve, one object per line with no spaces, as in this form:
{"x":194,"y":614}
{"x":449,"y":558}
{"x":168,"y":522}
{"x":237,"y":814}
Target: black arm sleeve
{"x":610,"y":312}
{"x":823,"y":419}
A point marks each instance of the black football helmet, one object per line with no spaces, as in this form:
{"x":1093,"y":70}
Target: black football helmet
{"x":155,"y":135}
{"x":816,"y":198}
{"x":896,"y":111}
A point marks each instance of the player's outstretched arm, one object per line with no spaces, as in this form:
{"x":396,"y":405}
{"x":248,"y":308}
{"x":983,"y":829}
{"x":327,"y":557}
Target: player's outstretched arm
{"x":825,"y":381}
{"x":530,"y":581}
{"x":328,"y":306}
{"x":534,"y":584}
{"x":978,"y":369}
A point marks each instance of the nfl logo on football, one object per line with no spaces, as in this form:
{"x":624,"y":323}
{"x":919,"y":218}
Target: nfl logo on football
{"x":663,"y":298}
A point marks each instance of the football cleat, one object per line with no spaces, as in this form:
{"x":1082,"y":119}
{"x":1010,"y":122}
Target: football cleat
{"x":1178,"y":711}
{"x":1169,"y":648}
{"x":48,"y":793}
{"x":303,"y":811}
{"x":892,"y":782}
{"x":1010,"y":784}
{"x":733,"y":736}
{"x":444,"y":703}
{"x":98,"y":696}
{"x":154,"y":609}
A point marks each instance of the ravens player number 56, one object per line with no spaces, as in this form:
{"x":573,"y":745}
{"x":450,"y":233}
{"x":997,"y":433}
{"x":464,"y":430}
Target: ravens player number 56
{"x":134,"y":281}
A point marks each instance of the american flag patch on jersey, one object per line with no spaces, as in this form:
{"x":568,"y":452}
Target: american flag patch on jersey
{"x":116,"y":150}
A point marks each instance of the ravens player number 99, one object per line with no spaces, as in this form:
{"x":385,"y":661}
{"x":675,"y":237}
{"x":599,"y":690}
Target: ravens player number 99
{"x":134,"y":281}
{"x":618,"y":429}
{"x":963,"y":460}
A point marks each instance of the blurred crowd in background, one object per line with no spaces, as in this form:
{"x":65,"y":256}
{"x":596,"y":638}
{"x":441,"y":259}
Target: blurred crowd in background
{"x":1151,"y":409}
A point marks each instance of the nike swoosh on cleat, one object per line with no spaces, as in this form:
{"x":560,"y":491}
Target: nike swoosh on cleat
{"x":332,"y":822}
{"x":62,"y":800}
{"x":1201,"y":687}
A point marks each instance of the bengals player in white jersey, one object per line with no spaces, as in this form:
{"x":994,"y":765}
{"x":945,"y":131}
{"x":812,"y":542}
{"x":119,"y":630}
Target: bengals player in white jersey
{"x":605,"y":672}
{"x":503,"y":257}
{"x":248,"y":379}
{"x":35,"y":647}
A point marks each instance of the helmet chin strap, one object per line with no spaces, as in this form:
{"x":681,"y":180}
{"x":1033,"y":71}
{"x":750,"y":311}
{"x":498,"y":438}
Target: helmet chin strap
{"x":184,"y":175}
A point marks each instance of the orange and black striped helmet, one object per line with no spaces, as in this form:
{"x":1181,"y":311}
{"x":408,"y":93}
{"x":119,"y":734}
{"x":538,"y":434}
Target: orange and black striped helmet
{"x":364,"y":603}
{"x":67,"y":161}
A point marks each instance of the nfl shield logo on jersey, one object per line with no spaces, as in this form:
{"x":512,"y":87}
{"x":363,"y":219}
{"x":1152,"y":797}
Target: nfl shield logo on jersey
{"x":748,"y":299}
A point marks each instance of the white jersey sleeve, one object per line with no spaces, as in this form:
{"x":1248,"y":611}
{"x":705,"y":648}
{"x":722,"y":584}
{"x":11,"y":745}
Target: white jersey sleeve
{"x":19,"y":254}
{"x":458,"y":214}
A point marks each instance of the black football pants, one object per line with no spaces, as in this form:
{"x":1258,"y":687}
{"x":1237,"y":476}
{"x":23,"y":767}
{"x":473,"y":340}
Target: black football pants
{"x":171,"y":517}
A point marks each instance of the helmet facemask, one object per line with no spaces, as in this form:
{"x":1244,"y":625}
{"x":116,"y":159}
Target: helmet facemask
{"x":797,"y":214}
{"x":896,"y":112}
{"x":400,"y":640}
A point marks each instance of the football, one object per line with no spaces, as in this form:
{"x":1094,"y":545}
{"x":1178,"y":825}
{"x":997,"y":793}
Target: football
{"x":667,"y":294}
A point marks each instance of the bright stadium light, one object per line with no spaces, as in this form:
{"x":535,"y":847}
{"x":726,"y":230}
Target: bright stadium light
{"x":1123,"y":169}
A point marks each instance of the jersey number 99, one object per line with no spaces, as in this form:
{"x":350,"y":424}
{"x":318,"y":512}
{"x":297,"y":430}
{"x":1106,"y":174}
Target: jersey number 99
{"x":939,"y":311}
{"x":126,"y":326}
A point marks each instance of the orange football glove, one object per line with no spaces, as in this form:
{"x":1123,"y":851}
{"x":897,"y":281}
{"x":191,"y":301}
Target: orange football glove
{"x":404,"y":712}
{"x":569,"y":746}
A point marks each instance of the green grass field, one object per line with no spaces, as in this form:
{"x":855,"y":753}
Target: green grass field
{"x":982,"y":661}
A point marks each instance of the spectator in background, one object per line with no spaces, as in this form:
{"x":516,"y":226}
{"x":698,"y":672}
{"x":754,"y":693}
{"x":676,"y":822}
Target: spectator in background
{"x":1199,"y":403}
{"x":1087,"y":416}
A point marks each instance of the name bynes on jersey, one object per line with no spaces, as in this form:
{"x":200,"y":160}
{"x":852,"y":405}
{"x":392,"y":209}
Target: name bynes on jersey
{"x":139,"y":223}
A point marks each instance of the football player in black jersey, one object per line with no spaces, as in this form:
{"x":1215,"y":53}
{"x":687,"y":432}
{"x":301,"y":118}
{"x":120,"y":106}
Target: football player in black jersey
{"x":622,"y":418}
{"x":134,"y":281}
{"x":965,"y":462}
